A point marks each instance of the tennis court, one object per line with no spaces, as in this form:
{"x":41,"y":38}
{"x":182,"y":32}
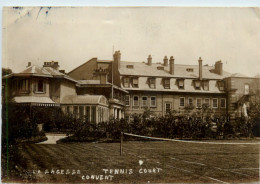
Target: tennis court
{"x":141,"y":161}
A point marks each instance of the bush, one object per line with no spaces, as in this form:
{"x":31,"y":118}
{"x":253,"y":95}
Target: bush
{"x":17,"y":124}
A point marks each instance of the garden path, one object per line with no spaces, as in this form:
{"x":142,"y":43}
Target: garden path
{"x":52,"y":138}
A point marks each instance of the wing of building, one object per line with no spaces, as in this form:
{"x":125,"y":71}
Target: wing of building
{"x":164,"y":86}
{"x":47,"y":86}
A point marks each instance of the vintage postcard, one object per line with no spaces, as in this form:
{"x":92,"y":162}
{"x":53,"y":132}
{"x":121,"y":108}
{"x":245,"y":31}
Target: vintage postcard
{"x":130,"y":95}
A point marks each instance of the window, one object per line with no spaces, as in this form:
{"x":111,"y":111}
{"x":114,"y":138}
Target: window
{"x":126,"y":82}
{"x":127,"y":100}
{"x":130,"y":66}
{"x":136,"y":101}
{"x":40,"y":86}
{"x":68,"y":110}
{"x":144,"y":101}
{"x":223,"y":103}
{"x":207,"y":102}
{"x":182,"y":102}
{"x":93,"y":116}
{"x":160,"y":67}
{"x":152,"y":83}
{"x":167,"y":108}
{"x":221,"y":85}
{"x":190,"y":101}
{"x":88,"y":114}
{"x":167,"y":83}
{"x":75,"y":111}
{"x":99,"y":114}
{"x":197,"y":84}
{"x":135,"y":82}
{"x":215,"y":103}
{"x":206,"y":85}
{"x":199,"y":102}
{"x":181,"y":83}
{"x":246,"y":89}
{"x":81,"y":111}
{"x":153,"y":101}
{"x":23,"y":86}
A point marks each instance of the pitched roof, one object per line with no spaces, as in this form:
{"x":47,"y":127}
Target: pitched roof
{"x":57,"y":74}
{"x":36,"y":70}
{"x":180,"y":71}
{"x":238,"y":75}
{"x":41,"y":72}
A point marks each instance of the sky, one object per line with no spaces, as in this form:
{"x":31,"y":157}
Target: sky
{"x":73,"y":36}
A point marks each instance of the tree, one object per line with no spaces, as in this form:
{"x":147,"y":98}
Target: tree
{"x":254,"y":107}
{"x":6,"y":71}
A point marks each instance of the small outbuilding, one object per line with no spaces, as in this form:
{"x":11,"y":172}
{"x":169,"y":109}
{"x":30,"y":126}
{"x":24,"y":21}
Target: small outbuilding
{"x":93,"y":107}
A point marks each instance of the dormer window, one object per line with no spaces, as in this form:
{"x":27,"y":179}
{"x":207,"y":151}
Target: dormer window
{"x":152,"y":83}
{"x":167,"y":84}
{"x":181,"y":83}
{"x":189,"y":69}
{"x":206,"y":85}
{"x":197,"y":84}
{"x":130,"y":66}
{"x":135,"y":83}
{"x":160,"y":68}
{"x":221,"y":85}
{"x":126,"y":82}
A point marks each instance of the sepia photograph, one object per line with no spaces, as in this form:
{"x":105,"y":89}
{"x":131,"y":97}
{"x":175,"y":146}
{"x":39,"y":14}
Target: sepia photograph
{"x":130,"y":94}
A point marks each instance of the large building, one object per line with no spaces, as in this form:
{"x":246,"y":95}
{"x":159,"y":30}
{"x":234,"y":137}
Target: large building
{"x":165,"y":86}
{"x":103,"y":89}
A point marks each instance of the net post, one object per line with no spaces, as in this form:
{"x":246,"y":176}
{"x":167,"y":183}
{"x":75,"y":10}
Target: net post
{"x":121,"y":143}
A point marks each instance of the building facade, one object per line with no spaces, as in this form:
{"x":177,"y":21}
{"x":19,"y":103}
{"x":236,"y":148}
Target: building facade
{"x":103,"y":89}
{"x":165,"y":86}
{"x":48,"y":87}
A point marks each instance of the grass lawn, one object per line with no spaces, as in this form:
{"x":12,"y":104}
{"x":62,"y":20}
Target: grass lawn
{"x":164,"y":162}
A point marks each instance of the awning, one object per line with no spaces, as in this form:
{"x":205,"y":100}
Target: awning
{"x":33,"y":99}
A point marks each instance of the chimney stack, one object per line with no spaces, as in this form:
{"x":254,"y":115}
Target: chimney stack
{"x":200,"y":68}
{"x":53,"y":64}
{"x":29,"y":64}
{"x":149,"y":60}
{"x":165,"y":61}
{"x":117,"y":59}
{"x":219,"y":67}
{"x":171,"y":65}
{"x":116,"y":67}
